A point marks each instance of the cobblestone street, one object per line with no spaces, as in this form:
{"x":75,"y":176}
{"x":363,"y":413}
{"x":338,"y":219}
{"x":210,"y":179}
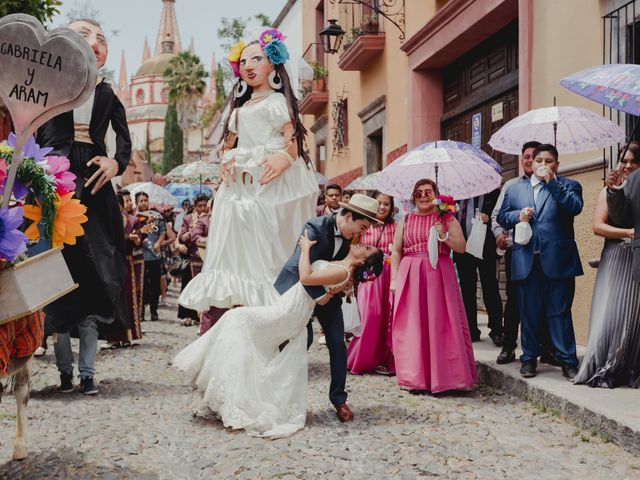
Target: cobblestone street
{"x":141,"y":426}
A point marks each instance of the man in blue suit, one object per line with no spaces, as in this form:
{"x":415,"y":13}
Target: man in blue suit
{"x":544,"y":269}
{"x":333,"y":234}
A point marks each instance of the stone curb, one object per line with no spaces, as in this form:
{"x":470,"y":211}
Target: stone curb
{"x":583,"y":417}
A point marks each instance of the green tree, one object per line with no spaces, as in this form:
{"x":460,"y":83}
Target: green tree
{"x":172,"y":156}
{"x":43,"y":10}
{"x":185,"y":81}
{"x":230,"y":32}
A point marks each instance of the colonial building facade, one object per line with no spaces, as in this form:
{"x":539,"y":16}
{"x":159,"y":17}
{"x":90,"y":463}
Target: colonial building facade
{"x":413,"y":71}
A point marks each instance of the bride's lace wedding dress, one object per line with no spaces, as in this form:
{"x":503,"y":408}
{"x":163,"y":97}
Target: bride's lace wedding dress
{"x":244,"y":377}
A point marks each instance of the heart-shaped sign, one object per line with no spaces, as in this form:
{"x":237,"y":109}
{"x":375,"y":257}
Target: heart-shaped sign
{"x":43,"y":74}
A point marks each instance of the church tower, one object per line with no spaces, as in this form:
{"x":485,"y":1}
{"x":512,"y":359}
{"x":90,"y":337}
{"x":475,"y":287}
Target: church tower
{"x":122,"y":88}
{"x":168,"y":28}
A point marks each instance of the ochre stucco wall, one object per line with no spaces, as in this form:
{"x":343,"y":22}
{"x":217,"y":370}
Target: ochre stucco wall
{"x":386,"y":75}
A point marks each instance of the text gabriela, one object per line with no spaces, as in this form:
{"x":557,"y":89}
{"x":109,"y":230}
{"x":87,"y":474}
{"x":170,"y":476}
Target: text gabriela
{"x":32,"y":55}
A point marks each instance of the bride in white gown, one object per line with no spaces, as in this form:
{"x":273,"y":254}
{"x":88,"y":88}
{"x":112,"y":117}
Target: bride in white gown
{"x":238,"y":366}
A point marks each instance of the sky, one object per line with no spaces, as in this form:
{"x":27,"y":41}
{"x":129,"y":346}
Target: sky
{"x":133,"y":19}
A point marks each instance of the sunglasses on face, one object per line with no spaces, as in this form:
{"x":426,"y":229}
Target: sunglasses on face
{"x":423,"y":193}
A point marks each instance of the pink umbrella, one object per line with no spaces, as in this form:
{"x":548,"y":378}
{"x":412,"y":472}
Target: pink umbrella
{"x":459,"y":169}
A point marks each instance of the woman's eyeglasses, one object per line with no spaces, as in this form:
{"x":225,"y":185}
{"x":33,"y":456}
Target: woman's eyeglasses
{"x":422,"y":193}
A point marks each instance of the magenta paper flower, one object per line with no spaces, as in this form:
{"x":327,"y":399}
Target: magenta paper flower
{"x":3,"y":174}
{"x":58,"y":168}
{"x":269,"y":35}
{"x":12,"y":241}
{"x":235,"y":68}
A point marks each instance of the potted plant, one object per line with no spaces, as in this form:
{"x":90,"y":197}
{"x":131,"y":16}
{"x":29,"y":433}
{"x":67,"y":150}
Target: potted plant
{"x":318,"y":84}
{"x":352,"y":36}
{"x":370,"y":24}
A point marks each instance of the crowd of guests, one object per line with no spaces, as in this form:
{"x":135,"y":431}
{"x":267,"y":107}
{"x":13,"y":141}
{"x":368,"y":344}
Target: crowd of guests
{"x":418,"y":320}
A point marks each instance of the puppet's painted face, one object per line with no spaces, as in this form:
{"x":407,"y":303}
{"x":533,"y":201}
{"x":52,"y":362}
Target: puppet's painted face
{"x":95,"y":38}
{"x":255,"y":67}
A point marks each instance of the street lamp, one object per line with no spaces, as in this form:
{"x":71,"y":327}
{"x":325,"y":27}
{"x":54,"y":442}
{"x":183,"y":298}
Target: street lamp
{"x":331,"y":37}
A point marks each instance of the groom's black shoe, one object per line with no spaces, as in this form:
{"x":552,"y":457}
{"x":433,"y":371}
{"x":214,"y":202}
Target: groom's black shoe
{"x":569,"y":371}
{"x":344,"y":413}
{"x":528,"y":368}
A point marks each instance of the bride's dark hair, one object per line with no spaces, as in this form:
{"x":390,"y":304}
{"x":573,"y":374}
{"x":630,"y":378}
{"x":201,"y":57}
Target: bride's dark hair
{"x":370,"y":270}
{"x":299,"y":130}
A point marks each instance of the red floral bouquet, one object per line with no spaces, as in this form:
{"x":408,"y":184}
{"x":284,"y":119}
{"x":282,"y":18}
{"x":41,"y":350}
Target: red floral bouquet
{"x":445,"y":206}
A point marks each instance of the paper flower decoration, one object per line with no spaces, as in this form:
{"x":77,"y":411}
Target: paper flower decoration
{"x":270,"y":35}
{"x":12,"y":241}
{"x":70,"y":215}
{"x":445,"y":206}
{"x":277,"y":52}
{"x":31,"y":149}
{"x":3,"y":174}
{"x":58,"y":168}
{"x":234,"y":57}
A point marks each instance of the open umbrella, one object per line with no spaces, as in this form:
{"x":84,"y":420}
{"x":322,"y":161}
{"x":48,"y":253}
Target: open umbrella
{"x":157,"y":194}
{"x":570,"y":129}
{"x":187,"y":191}
{"x":460,"y":170}
{"x":322,"y":180}
{"x":614,"y":85}
{"x":199,"y":172}
{"x":366,"y":182}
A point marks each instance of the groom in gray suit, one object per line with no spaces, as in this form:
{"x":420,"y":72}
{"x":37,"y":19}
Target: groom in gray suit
{"x":333,"y":234}
{"x":624,"y":209}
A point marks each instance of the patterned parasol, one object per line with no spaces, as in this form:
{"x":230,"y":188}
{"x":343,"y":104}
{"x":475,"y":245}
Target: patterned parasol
{"x":366,"y":182}
{"x":459,"y":169}
{"x":196,"y":173}
{"x":570,"y":129}
{"x":158,"y":196}
{"x":614,"y":85}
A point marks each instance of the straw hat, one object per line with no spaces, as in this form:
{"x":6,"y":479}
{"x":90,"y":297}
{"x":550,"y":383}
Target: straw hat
{"x":364,"y":205}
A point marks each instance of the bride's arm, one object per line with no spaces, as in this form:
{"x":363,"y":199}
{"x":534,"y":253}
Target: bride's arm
{"x":308,"y":277}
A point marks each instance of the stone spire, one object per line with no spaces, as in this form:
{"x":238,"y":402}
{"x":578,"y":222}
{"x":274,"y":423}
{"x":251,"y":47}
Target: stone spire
{"x":146,"y":53}
{"x":122,"y":89}
{"x":192,"y":47}
{"x":212,"y":91}
{"x":168,"y":34}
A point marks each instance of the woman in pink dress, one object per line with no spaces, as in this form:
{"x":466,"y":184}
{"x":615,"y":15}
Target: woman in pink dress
{"x":372,"y":349}
{"x":431,"y":340}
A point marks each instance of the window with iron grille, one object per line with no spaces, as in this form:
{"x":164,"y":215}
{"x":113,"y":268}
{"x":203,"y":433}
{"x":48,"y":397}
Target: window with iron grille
{"x":621,"y":44}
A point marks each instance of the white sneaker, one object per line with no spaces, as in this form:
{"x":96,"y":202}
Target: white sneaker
{"x":322,"y":340}
{"x":39,"y":352}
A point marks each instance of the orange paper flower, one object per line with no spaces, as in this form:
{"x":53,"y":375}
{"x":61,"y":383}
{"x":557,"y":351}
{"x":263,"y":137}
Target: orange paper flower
{"x":70,"y":215}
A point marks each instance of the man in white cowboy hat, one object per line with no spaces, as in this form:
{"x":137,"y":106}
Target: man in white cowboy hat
{"x":333,"y":234}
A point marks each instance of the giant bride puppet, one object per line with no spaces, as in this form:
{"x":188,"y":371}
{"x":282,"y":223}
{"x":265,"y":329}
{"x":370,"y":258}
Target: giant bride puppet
{"x":269,"y":188}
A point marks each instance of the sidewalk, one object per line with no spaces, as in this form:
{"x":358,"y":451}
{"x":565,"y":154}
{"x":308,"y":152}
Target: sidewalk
{"x":613,"y":413}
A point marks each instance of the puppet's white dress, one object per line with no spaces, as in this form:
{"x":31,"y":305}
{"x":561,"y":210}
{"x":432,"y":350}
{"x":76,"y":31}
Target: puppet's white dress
{"x":254,"y":228}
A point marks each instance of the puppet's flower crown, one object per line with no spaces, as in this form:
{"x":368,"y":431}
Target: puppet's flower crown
{"x":271,"y":41}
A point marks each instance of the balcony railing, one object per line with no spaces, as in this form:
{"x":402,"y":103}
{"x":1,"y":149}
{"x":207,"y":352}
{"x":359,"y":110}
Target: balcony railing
{"x":313,"y":93}
{"x":364,"y":39}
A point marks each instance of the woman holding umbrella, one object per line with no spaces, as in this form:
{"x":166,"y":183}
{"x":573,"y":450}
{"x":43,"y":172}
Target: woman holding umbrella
{"x":430,"y":334}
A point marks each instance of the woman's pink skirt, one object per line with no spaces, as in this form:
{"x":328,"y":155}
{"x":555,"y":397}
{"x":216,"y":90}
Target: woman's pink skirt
{"x":431,"y":340}
{"x":373,"y":347}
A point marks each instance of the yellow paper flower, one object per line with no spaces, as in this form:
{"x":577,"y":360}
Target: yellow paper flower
{"x":5,"y":148}
{"x":236,"y":51}
{"x":70,"y":215}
